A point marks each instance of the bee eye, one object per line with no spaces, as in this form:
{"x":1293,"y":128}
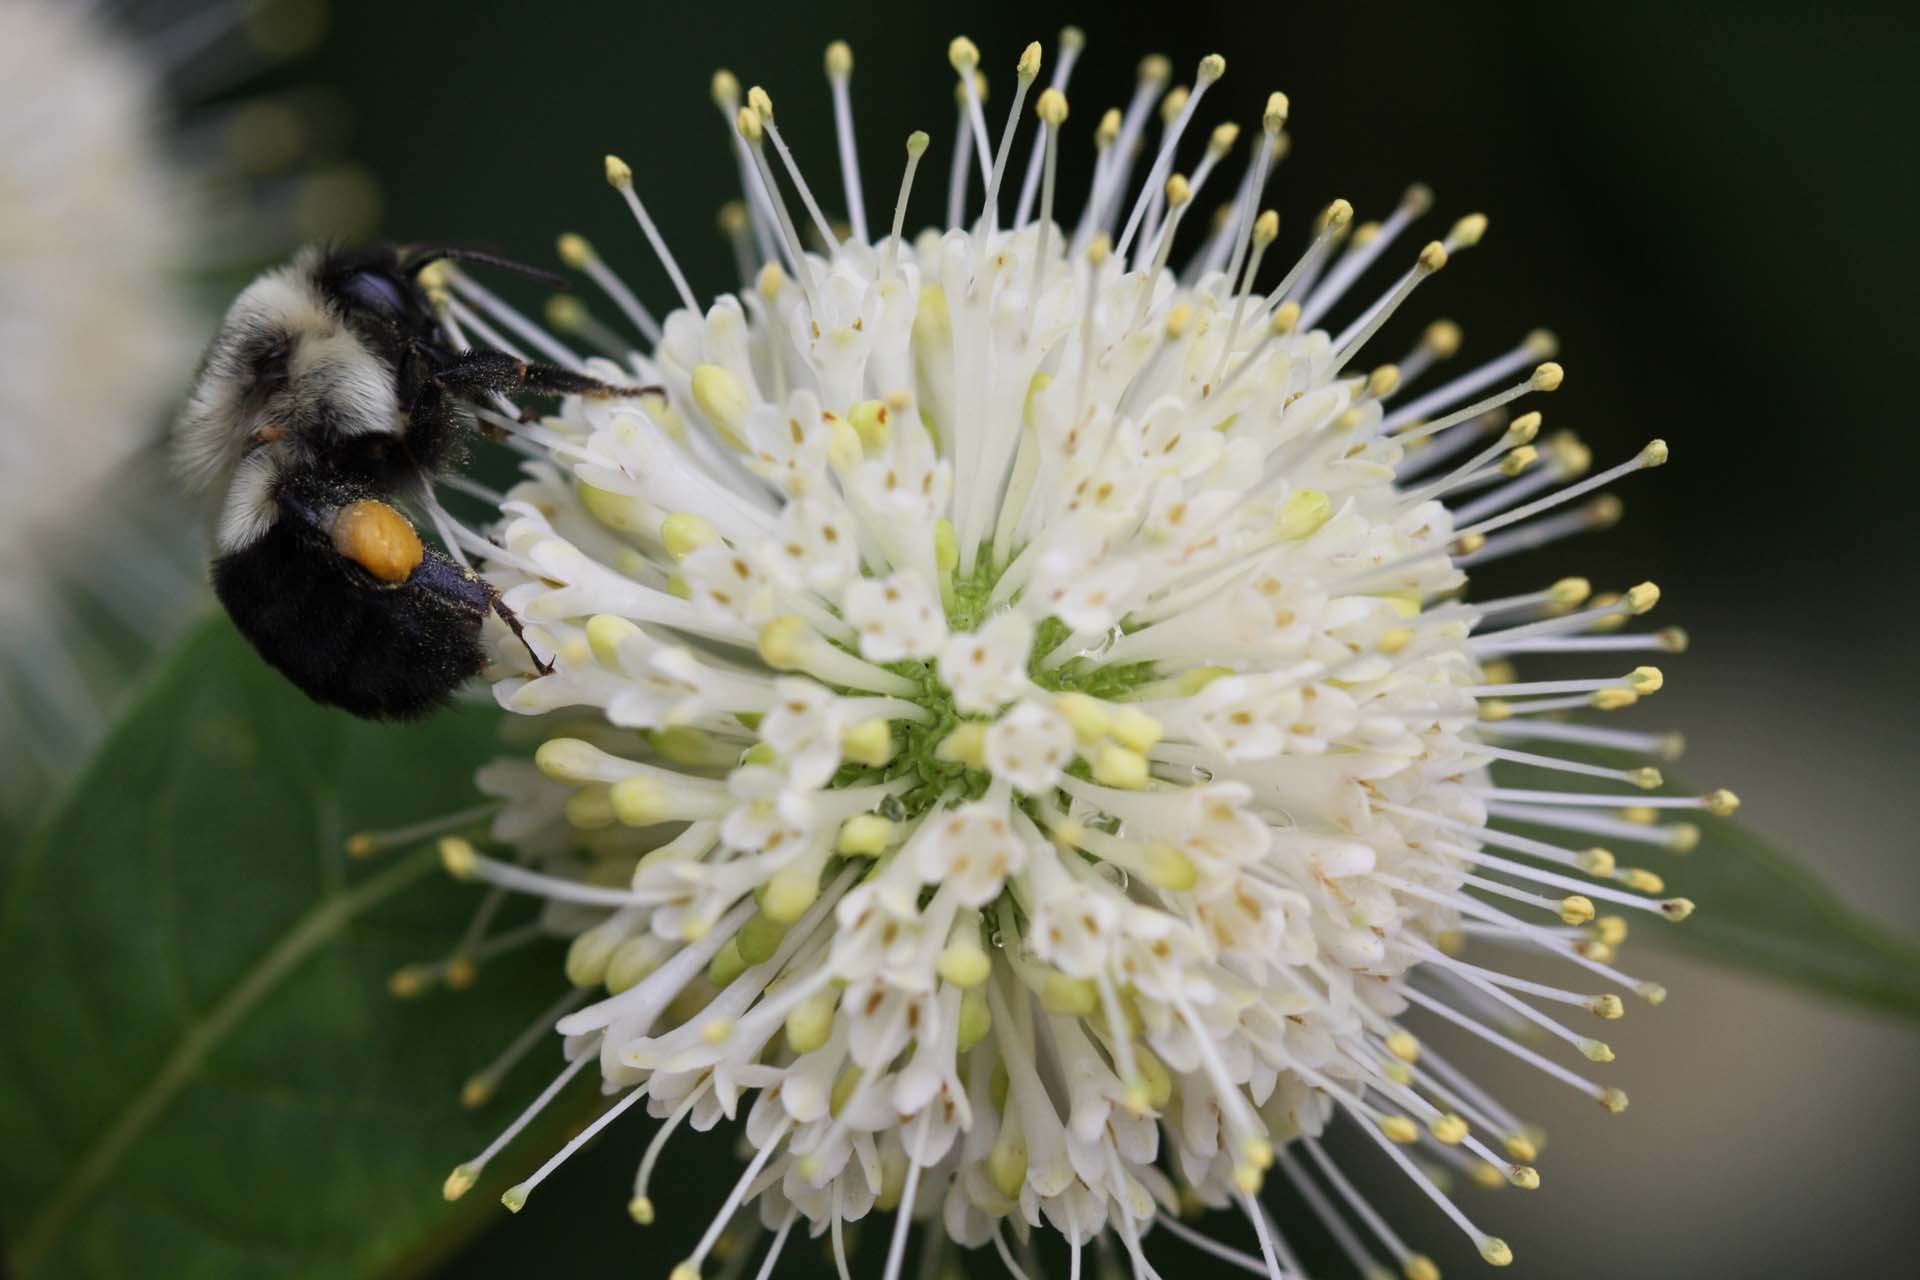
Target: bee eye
{"x":270,"y":363}
{"x":375,"y":291}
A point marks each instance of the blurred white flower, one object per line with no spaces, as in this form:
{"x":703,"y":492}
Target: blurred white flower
{"x":111,"y":207}
{"x":1017,"y":736}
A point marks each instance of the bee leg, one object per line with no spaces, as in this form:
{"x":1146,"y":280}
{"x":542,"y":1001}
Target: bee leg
{"x":479,"y":371}
{"x":512,"y":620}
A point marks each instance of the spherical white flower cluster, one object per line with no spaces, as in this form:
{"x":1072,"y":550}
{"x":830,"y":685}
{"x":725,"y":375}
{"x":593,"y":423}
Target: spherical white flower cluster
{"x":1014,"y":732}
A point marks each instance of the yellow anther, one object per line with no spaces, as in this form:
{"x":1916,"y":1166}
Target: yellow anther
{"x":1646,"y":680}
{"x":1433,"y":257}
{"x":750,"y":126}
{"x":1222,"y":139}
{"x":619,"y":173}
{"x":1654,"y":454}
{"x":865,"y":835}
{"x":1495,"y":1251}
{"x":1107,"y":132}
{"x":1523,"y":429}
{"x":1604,"y":511}
{"x":1646,"y":777}
{"x":839,"y":59}
{"x":640,"y":1209}
{"x":1607,"y":1007}
{"x":1612,"y":699}
{"x":723,"y":400}
{"x":1198,"y":678}
{"x":725,"y":88}
{"x":771,"y":280}
{"x":976,"y":1019}
{"x":917,"y":142}
{"x":1640,"y":880}
{"x":964,"y":964}
{"x":1336,"y":215}
{"x":1179,"y":191}
{"x":1178,"y":319}
{"x":409,"y":981}
{"x":1449,"y":1129}
{"x":1595,"y":862}
{"x":966,"y":745}
{"x":1677,"y":908}
{"x":1403,"y":1046}
{"x":783,"y":643}
{"x":870,"y":743}
{"x":1285,"y":319}
{"x":1266,"y":228}
{"x":1467,"y":232}
{"x":1273,"y":117}
{"x":1721,"y":803}
{"x":1441,"y":339}
{"x":1611,"y":930}
{"x":684,"y":533}
{"x":762,"y":104}
{"x":1468,"y":543}
{"x":1062,"y":993}
{"x":1494,"y":710}
{"x":1683,"y":837}
{"x":963,"y":54}
{"x":791,"y":891}
{"x":1169,"y":868}
{"x":1418,"y":1266}
{"x":460,"y":1181}
{"x":514,"y":1198}
{"x":1304,"y":513}
{"x":1028,"y":68}
{"x":1521,"y":1147}
{"x":1400,"y":1129}
{"x":810,"y":1023}
{"x":1518,"y":460}
{"x":1117,"y":766}
{"x":1051,"y":108}
{"x":1212,"y":67}
{"x":1568,"y":593}
{"x":567,"y":314}
{"x":458,"y":857}
{"x":640,"y":802}
{"x":1088,"y":716}
{"x":1576,"y":909}
{"x":1136,"y":729}
{"x":1487,"y":1176}
{"x":1596,"y":1051}
{"x":1395,"y":640}
{"x":1614,"y":1100}
{"x":574,"y":250}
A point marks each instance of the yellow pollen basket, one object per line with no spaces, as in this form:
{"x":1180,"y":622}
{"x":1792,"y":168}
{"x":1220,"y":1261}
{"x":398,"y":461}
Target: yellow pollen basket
{"x":378,"y":539}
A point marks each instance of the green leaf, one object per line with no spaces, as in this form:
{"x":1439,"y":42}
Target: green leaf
{"x":1760,"y":910}
{"x":203,"y":1072}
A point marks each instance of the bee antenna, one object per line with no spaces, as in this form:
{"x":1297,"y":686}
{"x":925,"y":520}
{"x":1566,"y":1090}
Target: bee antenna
{"x":416,"y":258}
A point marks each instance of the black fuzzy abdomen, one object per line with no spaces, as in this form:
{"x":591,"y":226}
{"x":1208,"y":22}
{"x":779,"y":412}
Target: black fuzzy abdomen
{"x":383,"y":652}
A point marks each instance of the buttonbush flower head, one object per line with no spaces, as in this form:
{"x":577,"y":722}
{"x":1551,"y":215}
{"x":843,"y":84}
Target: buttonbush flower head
{"x":1017,"y":742}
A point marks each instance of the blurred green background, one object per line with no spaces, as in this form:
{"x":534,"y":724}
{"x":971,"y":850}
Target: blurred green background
{"x":1707,"y":202}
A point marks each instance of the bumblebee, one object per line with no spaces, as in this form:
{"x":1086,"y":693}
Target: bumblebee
{"x":328,"y":401}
